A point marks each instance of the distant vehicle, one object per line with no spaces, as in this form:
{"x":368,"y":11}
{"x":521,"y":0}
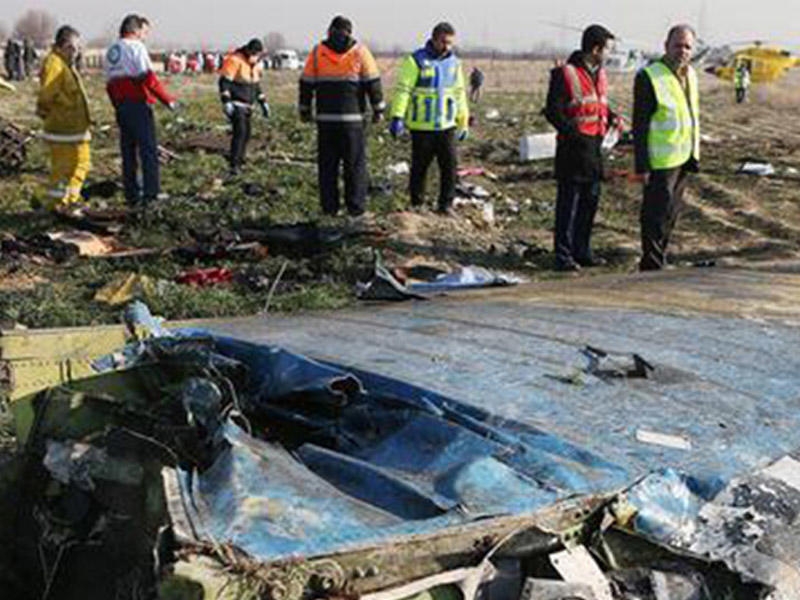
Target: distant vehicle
{"x":286,"y":60}
{"x":765,"y":63}
{"x":622,"y":60}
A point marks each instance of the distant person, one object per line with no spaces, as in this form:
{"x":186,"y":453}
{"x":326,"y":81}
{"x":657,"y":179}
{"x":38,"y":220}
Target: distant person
{"x":14,"y":59}
{"x":239,"y":89}
{"x":666,"y":133}
{"x":29,"y":56}
{"x":210,"y":62}
{"x":431,"y":100}
{"x":577,"y":106}
{"x":476,"y":78}
{"x":339,"y":77}
{"x":133,"y":88}
{"x":8,"y":59}
{"x":741,"y":82}
{"x":63,"y":106}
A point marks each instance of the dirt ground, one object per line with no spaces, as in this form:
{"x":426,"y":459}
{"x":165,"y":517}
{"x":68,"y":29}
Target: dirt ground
{"x":730,"y":218}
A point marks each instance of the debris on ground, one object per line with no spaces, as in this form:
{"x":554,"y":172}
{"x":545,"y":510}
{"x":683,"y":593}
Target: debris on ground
{"x":480,"y":212}
{"x":38,"y":245}
{"x":299,"y":239}
{"x":477,"y":172}
{"x":13,"y":141}
{"x":88,"y":244}
{"x":756,"y":168}
{"x":166,"y":156}
{"x":399,"y":168}
{"x":537,"y":147}
{"x":205,"y":277}
{"x":124,"y":288}
{"x":492,"y":114}
{"x":415,"y":280}
{"x":191,"y":462}
{"x":106,"y":188}
{"x":471,"y":190}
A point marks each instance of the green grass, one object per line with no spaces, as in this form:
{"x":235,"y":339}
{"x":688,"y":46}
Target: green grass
{"x":200,"y":201}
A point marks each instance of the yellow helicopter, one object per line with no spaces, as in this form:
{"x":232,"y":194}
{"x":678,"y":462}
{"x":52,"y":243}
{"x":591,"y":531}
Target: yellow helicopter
{"x":765,"y":63}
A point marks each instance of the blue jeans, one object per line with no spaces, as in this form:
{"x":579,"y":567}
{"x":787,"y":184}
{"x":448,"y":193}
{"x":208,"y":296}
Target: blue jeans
{"x":576,"y":206}
{"x":137,"y":140}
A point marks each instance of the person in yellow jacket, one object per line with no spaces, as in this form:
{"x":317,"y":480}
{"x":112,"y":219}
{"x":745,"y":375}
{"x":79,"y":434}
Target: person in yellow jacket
{"x":431,"y":101}
{"x":63,"y":106}
{"x":666,"y":134}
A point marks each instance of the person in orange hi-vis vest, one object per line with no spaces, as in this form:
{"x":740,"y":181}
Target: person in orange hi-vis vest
{"x":340,"y":76}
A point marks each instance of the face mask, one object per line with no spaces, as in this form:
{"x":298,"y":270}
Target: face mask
{"x":340,"y":38}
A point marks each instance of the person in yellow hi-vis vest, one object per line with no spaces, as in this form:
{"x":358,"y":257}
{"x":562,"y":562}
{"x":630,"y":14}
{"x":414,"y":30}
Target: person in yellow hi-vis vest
{"x":431,"y":100}
{"x":63,"y":106}
{"x":666,"y":132}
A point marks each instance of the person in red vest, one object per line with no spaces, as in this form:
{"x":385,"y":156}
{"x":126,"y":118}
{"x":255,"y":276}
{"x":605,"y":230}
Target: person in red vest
{"x":577,"y":106}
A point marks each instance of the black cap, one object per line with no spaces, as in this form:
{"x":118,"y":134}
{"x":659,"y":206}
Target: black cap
{"x":342,"y":24}
{"x":595,"y":35}
{"x":254,"y":46}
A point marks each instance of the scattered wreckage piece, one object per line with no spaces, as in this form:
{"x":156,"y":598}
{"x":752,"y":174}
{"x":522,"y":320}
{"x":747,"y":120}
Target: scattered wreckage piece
{"x":537,"y":147}
{"x":13,"y":141}
{"x":166,"y":156}
{"x":394,"y":285}
{"x":459,"y":389}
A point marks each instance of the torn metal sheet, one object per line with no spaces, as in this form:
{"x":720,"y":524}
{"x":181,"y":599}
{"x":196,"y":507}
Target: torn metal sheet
{"x":413,"y":421}
{"x":576,"y":565}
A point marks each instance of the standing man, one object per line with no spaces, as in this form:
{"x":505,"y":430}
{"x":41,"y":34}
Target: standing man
{"x":63,"y":106}
{"x":431,"y":99}
{"x":340,"y":74}
{"x":239,"y":89}
{"x":741,"y":81}
{"x":8,"y":59}
{"x":133,"y":88}
{"x":577,"y":106}
{"x":666,"y":132}
{"x":475,"y":85}
{"x":28,"y":57}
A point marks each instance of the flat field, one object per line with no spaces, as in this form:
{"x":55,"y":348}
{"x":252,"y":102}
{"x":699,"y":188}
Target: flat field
{"x":730,"y":218}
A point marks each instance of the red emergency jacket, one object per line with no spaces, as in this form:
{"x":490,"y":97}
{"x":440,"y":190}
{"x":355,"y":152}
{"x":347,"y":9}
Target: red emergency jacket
{"x":588,"y":101}
{"x":130,"y":76}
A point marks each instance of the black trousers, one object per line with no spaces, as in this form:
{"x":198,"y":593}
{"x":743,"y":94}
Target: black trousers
{"x":137,"y":140}
{"x":741,"y":94}
{"x":576,"y":207}
{"x":342,"y":144}
{"x":662,"y":203}
{"x":425,"y":145}
{"x":241,"y":135}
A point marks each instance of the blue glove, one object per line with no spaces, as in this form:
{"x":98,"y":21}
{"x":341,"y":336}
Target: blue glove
{"x":396,"y":127}
{"x":463,"y":135}
{"x":265,"y":109}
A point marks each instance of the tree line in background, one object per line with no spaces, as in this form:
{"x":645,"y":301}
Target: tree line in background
{"x":39,"y":26}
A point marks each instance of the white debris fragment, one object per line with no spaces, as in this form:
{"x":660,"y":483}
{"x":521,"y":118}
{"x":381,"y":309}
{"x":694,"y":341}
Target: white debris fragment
{"x":401,"y":168}
{"x":757,"y":168}
{"x":576,"y":565}
{"x":786,"y":470}
{"x":537,"y":147}
{"x":663,"y":439}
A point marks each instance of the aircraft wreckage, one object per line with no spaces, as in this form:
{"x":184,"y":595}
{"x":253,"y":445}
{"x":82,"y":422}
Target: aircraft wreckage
{"x":615,"y":437}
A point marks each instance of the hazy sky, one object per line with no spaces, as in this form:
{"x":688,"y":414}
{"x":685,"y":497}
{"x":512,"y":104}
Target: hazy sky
{"x":507,"y":24}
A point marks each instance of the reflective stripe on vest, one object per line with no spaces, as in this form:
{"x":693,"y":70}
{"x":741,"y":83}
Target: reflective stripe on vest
{"x":588,"y":102}
{"x":433,"y":100}
{"x":674,"y":133}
